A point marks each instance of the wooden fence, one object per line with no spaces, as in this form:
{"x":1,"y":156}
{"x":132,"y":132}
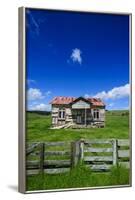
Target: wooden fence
{"x":59,"y":157}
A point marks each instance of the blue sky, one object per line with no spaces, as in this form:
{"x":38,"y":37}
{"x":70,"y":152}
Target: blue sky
{"x":77,"y":54}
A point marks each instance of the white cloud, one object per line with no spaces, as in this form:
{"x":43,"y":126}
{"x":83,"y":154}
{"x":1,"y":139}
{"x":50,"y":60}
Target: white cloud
{"x":48,"y":93}
{"x":40,"y":107}
{"x":29,"y":81}
{"x":34,"y":23}
{"x":86,"y":96}
{"x":76,"y":55}
{"x":111,"y":104}
{"x":115,"y":93}
{"x":34,"y":94}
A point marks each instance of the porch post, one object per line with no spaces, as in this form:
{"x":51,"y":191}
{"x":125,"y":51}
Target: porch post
{"x":85,"y":116}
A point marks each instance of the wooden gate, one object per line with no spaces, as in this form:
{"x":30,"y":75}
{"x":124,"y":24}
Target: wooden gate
{"x":60,"y":157}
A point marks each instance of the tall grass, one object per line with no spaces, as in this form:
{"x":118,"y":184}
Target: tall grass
{"x":119,"y":175}
{"x":79,"y":177}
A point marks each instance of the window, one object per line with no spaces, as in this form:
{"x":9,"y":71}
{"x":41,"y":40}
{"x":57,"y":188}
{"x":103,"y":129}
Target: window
{"x":96,"y":114}
{"x":62,"y":114}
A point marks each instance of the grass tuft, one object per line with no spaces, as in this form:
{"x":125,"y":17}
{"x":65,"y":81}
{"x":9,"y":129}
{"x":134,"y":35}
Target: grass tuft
{"x":119,"y":175}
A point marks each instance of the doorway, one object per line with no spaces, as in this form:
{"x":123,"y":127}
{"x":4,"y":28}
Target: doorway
{"x":79,"y":119}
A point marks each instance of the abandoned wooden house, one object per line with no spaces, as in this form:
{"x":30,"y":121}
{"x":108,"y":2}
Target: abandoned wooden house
{"x":70,"y":112}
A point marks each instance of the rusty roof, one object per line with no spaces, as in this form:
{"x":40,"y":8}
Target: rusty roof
{"x":60,"y":100}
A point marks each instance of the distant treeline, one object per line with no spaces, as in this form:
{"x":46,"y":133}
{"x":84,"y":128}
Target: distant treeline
{"x":40,"y":112}
{"x":118,"y":112}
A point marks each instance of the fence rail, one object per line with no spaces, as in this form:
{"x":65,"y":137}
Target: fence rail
{"x":60,"y":157}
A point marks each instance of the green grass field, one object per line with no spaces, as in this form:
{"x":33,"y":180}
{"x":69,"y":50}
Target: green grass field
{"x":38,"y":129}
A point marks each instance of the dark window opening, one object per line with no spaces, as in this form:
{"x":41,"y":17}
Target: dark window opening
{"x":61,"y":114}
{"x":96,"y":114}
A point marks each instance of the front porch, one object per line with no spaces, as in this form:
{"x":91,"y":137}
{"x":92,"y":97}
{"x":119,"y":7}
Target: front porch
{"x":82,"y":116}
{"x":86,"y":118}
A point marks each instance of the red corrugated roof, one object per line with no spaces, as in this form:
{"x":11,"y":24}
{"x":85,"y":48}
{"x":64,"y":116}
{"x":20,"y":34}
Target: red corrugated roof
{"x":66,"y":100}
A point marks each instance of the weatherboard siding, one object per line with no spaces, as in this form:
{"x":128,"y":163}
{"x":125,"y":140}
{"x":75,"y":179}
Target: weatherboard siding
{"x":102,"y":114}
{"x":81,"y":105}
{"x":71,"y":116}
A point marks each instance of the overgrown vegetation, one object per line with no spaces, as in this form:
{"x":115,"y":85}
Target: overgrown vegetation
{"x":79,"y":177}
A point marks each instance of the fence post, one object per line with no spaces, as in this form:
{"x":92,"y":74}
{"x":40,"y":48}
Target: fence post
{"x":81,"y":149}
{"x":41,"y":157}
{"x":75,"y":153}
{"x":115,"y":152}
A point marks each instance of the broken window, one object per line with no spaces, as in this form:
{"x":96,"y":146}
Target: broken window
{"x":96,"y":114}
{"x":62,"y":114}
